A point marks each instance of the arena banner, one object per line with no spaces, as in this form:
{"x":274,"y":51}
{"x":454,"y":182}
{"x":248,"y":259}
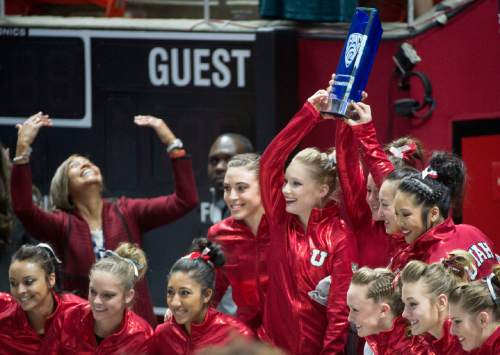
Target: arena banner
{"x":58,"y":70}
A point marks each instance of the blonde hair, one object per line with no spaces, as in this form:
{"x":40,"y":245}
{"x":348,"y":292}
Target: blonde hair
{"x":123,"y":263}
{"x":322,"y":165}
{"x":249,"y":161}
{"x":476,"y":296}
{"x":381,"y":286}
{"x":59,"y":187}
{"x":441,"y":277}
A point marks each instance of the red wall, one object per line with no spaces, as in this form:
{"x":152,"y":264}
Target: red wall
{"x":482,"y":204}
{"x":462,"y":60}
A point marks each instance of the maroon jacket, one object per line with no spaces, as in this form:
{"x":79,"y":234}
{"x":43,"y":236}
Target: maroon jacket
{"x":73,"y":333}
{"x":217,"y":329}
{"x":16,"y":334}
{"x":245,"y":268}
{"x":375,"y":246}
{"x":299,"y":259}
{"x":125,"y":220}
{"x":437,"y":242}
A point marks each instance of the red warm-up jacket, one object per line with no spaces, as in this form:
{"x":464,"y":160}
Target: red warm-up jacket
{"x":396,"y":341}
{"x":448,"y":344}
{"x":245,"y":268}
{"x":300,"y":258}
{"x":16,"y":334}
{"x":73,"y":333}
{"x":125,"y":220}
{"x":375,"y":246}
{"x":437,"y":242}
{"x":217,"y":329}
{"x":491,"y":346}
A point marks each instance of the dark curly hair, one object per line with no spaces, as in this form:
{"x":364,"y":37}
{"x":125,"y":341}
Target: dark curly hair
{"x":451,"y":172}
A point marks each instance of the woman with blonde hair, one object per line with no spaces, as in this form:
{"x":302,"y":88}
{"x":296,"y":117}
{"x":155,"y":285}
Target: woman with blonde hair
{"x":475,"y":314}
{"x":375,"y":308}
{"x":105,"y":324}
{"x":425,"y":291}
{"x":244,"y":239}
{"x":84,"y":224}
{"x":311,"y":245}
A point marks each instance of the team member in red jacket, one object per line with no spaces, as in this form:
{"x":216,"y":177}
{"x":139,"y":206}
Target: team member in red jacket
{"x":425,"y":291}
{"x":84,"y":224}
{"x":375,"y":308}
{"x":361,"y":195}
{"x":195,"y":325}
{"x":244,"y":239}
{"x":27,"y":314}
{"x":310,"y":243}
{"x":105,"y":325}
{"x":422,"y":206}
{"x":475,"y":315}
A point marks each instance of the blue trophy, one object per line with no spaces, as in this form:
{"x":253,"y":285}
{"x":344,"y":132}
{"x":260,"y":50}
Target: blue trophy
{"x":356,"y":61}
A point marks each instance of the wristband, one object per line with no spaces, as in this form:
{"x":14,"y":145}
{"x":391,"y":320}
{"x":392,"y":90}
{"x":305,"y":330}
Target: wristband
{"x":26,"y":155}
{"x":176,"y":144}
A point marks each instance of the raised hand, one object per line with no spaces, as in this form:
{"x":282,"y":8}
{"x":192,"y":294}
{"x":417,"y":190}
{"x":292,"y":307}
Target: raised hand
{"x":160,"y":127}
{"x":319,"y":100}
{"x":28,"y":130}
{"x":360,"y":114}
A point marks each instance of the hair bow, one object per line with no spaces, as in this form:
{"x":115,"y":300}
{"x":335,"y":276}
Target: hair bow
{"x":404,"y":152}
{"x":430,"y":173}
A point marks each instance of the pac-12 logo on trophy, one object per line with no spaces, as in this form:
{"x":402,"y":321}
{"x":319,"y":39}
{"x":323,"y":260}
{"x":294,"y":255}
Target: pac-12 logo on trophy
{"x":355,"y":61}
{"x":352,"y":48}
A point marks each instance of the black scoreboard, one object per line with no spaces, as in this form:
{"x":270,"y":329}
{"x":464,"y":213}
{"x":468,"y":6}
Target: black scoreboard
{"x":92,"y":83}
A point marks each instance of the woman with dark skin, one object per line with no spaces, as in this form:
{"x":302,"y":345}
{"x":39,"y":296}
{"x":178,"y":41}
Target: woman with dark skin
{"x":84,"y":223}
{"x":27,"y":313}
{"x":193,"y":324}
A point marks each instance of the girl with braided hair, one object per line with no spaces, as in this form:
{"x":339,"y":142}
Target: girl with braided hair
{"x":27,"y":314}
{"x":195,"y":325}
{"x":311,"y":245}
{"x":422,"y":205}
{"x":357,"y":144}
{"x":105,"y":325}
{"x":475,"y":314}
{"x":425,"y":290}
{"x":375,"y":308}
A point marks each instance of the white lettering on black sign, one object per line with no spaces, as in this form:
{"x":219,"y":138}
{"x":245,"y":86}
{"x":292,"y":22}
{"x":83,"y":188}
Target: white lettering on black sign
{"x":201,"y":67}
{"x":13,"y":32}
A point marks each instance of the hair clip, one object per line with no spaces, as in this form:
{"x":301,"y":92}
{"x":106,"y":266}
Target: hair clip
{"x":395,"y":281}
{"x":452,"y":264}
{"x":493,"y":294}
{"x":404,"y":151}
{"x":130,"y":261}
{"x":49,"y":248}
{"x":430,"y":173}
{"x":203,"y":255}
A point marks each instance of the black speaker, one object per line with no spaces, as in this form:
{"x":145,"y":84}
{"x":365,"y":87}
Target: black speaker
{"x":410,"y":107}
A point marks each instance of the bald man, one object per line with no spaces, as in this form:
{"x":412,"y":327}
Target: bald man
{"x":222,"y":150}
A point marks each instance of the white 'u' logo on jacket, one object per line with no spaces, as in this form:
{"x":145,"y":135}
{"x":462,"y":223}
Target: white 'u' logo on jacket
{"x":314,"y":257}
